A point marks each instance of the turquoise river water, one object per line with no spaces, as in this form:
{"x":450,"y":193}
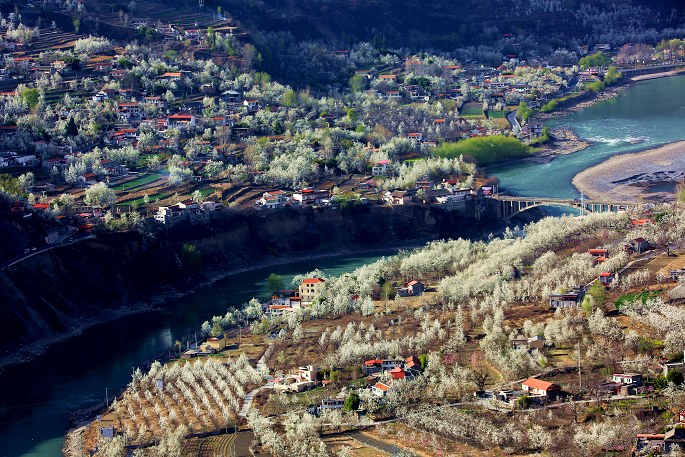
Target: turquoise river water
{"x":36,"y":396}
{"x":652,"y":112}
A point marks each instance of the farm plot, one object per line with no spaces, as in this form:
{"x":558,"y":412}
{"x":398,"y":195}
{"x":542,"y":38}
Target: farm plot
{"x":138,"y":182}
{"x":200,"y":396}
{"x":472,"y":111}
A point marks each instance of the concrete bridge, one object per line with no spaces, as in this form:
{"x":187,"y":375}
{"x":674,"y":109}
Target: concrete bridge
{"x":507,"y":207}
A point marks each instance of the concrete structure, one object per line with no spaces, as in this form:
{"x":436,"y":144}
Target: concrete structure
{"x":507,"y":207}
{"x":540,"y":388}
{"x":310,"y":289}
{"x":214,"y":344}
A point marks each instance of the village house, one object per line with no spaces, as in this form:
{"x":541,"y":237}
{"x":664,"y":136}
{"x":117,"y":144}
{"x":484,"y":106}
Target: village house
{"x":378,"y":366}
{"x":660,"y":444}
{"x":273,"y":199}
{"x":251,"y":105}
{"x":537,"y":387}
{"x":187,"y":209}
{"x":332,"y":403}
{"x":181,"y":121}
{"x":424,"y":183}
{"x":380,"y":389}
{"x":158,"y":102}
{"x":415,"y":137}
{"x":214,"y":344}
{"x":410,"y":289}
{"x":311,"y":196}
{"x":535,"y":342}
{"x":88,"y":179}
{"x":569,"y":299}
{"x":599,"y":255}
{"x":171,"y":76}
{"x":637,"y":246}
{"x":381,"y":168}
{"x":398,"y":197}
{"x":231,"y":96}
{"x":531,"y":130}
{"x":310,"y":289}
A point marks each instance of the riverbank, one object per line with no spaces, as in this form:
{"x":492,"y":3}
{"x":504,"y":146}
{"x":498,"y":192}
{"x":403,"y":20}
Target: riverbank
{"x":665,"y":74}
{"x":640,"y":175}
{"x":27,"y":352}
{"x":572,"y":105}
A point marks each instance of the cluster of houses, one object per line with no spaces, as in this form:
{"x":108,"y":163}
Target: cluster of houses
{"x":575,"y":296}
{"x":291,"y":300}
{"x":187,"y":210}
{"x":276,"y":199}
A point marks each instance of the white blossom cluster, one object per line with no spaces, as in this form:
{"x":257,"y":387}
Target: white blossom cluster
{"x":194,"y":395}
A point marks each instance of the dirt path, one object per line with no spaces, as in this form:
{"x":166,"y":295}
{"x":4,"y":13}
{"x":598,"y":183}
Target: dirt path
{"x":249,"y":398}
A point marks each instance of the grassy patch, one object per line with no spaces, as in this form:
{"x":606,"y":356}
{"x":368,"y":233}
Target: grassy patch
{"x":138,"y":182}
{"x":628,"y":299}
{"x":496,"y":114}
{"x":485,"y":149}
{"x":471,"y":112}
{"x":141,"y":201}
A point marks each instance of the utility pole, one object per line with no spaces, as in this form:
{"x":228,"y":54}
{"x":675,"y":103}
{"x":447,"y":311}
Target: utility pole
{"x":582,"y":203}
{"x":580,"y":380}
{"x":106,"y":398}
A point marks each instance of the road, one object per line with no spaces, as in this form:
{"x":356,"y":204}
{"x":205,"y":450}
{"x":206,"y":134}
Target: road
{"x":515,"y":126}
{"x":247,"y":402}
{"x":73,"y":233}
{"x":377,"y":444}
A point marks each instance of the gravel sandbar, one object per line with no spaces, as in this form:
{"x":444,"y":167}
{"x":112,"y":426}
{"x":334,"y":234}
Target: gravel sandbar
{"x":624,"y":177}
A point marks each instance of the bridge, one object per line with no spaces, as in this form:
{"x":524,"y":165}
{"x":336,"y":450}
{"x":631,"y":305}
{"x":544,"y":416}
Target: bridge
{"x":507,"y":207}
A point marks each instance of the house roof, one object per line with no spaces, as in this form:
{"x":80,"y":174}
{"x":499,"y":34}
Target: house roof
{"x":413,"y":283}
{"x":639,"y":240}
{"x":539,"y":384}
{"x":397,"y":373}
{"x":313,"y":281}
{"x":382,"y":387}
{"x":372,"y":362}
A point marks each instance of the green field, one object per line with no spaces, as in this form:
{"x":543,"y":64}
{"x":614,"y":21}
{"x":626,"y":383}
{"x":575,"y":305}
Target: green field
{"x":496,"y":114}
{"x":471,"y":112}
{"x":628,"y":299}
{"x":138,"y":182}
{"x":141,"y":201}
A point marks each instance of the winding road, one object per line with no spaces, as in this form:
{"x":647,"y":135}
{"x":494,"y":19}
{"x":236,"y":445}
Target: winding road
{"x":247,"y":402}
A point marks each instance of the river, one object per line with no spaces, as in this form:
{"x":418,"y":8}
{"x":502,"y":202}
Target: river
{"x":651,"y":112}
{"x":36,"y":396}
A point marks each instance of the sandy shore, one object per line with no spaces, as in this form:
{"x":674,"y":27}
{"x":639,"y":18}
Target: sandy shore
{"x":627,"y":177}
{"x":665,"y":74}
{"x":21,"y":354}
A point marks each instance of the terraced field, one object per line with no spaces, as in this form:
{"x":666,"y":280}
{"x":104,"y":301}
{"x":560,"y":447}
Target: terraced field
{"x":50,"y":40}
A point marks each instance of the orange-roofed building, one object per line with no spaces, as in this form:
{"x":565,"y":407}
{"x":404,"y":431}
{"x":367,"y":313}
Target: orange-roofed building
{"x":310,"y":289}
{"x":380,"y":389}
{"x":542,"y":388}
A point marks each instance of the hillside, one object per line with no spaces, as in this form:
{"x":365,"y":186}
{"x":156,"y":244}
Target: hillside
{"x":56,"y":291}
{"x":447,"y":25}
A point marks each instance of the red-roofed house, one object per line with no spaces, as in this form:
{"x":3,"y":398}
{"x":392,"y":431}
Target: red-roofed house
{"x":311,"y":196}
{"x":181,"y":121}
{"x":411,"y":288}
{"x":380,"y":389}
{"x":310,"y":289}
{"x":397,"y":373}
{"x":541,"y":388}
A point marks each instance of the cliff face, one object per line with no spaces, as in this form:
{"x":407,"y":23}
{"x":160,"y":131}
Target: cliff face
{"x":55,"y":290}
